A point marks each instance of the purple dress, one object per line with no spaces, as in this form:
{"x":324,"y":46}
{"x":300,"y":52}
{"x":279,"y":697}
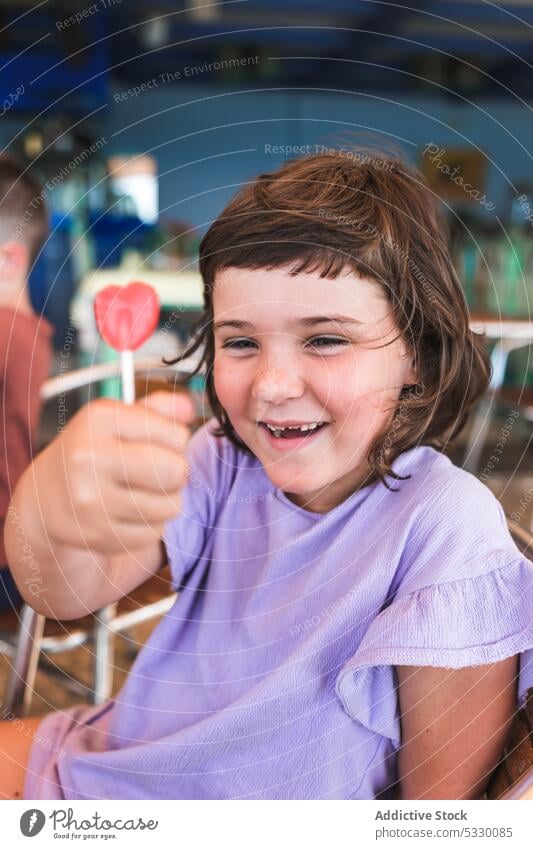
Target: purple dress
{"x":272,"y":677}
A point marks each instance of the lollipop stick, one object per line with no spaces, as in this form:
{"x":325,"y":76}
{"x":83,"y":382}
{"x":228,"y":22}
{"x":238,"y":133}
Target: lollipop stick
{"x":127,"y":367}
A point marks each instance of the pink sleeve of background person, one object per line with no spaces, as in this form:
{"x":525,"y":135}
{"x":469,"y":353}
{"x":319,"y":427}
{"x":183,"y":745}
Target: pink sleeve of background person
{"x":25,"y":355}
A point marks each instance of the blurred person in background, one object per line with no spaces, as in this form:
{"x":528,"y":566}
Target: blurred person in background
{"x":25,"y":339}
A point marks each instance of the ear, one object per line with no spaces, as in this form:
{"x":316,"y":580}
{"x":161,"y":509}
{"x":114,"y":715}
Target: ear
{"x":14,"y":260}
{"x":411,"y":370}
{"x":412,"y":375}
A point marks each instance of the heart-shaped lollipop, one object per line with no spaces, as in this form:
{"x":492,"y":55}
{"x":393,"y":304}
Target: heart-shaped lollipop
{"x":126,"y":316}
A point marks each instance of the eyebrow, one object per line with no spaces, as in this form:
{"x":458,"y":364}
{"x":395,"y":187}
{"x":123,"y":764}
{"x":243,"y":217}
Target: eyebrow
{"x":310,"y":321}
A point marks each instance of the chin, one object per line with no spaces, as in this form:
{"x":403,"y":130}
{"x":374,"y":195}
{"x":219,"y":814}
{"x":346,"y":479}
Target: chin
{"x":297,"y":487}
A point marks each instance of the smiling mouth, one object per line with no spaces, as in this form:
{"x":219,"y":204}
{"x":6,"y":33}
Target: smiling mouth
{"x":293,"y":432}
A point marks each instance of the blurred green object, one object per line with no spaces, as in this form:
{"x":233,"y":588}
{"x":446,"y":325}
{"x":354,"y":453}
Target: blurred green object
{"x":496,"y":271}
{"x":196,"y":387}
{"x":497,"y":274}
{"x":109,"y":388}
{"x":509,"y":260}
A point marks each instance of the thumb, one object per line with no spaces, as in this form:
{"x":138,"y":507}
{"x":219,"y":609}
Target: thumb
{"x":174,"y":404}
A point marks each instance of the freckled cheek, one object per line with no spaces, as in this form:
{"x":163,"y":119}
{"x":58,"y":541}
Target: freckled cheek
{"x":331,"y":375}
{"x":363,"y":396}
{"x":350,"y":380}
{"x":231,"y":383}
{"x":376,"y":374}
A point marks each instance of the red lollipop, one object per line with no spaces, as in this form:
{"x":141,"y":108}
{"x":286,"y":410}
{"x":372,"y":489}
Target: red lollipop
{"x":126,"y":316}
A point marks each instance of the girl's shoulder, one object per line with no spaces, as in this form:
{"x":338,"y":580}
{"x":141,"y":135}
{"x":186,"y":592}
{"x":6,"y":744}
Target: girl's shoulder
{"x":457,"y":527}
{"x":436,"y":478}
{"x":461,"y":596}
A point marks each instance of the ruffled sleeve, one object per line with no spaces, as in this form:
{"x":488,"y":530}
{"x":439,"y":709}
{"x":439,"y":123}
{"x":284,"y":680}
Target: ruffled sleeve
{"x":186,"y":535}
{"x":467,"y":622}
{"x":462,"y":596}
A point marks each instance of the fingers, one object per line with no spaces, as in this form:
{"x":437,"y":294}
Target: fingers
{"x":120,"y":470}
{"x":177,"y":405}
{"x":125,"y":517}
{"x":126,"y":537}
{"x":136,"y":507}
{"x":160,"y":417}
{"x":160,"y":420}
{"x":152,"y":468}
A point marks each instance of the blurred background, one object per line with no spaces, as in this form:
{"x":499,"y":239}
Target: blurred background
{"x":142,"y":120}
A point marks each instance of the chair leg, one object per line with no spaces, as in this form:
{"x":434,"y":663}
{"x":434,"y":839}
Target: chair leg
{"x":483,"y":416}
{"x":131,"y":645}
{"x":104,"y":652}
{"x":21,"y":680}
{"x":477,"y":436}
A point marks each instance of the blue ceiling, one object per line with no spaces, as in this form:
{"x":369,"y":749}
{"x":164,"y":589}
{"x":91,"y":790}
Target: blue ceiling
{"x":65,"y":54}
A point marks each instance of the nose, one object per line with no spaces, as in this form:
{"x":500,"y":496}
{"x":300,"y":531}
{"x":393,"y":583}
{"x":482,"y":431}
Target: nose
{"x":274,"y":385}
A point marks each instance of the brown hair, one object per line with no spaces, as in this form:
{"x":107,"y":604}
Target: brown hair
{"x":376,"y":216}
{"x":23,"y":209}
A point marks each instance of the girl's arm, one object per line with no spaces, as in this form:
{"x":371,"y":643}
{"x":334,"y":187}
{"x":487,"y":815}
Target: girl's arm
{"x":85,"y":523}
{"x":454,"y":725}
{"x":65,"y":582}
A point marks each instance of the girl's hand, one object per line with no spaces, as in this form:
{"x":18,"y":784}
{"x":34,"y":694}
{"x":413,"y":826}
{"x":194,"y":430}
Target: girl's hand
{"x":114,"y":476}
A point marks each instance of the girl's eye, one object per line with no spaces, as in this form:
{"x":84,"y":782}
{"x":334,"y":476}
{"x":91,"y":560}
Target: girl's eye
{"x":238,"y":344}
{"x":319,"y":342}
{"x":327,"y":341}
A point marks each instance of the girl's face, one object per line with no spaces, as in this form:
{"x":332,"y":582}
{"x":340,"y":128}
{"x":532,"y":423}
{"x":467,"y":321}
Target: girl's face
{"x":307,"y":350}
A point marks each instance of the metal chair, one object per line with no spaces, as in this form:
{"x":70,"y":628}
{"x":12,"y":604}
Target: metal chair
{"x":497,"y":396}
{"x":29,"y":640}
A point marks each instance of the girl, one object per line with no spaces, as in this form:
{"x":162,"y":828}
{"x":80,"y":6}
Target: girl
{"x":353,"y":617}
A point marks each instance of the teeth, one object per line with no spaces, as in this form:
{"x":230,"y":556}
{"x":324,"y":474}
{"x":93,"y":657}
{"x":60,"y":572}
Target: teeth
{"x":304,"y":428}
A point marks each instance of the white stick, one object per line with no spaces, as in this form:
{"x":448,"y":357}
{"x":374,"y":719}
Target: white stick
{"x":127,"y":367}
